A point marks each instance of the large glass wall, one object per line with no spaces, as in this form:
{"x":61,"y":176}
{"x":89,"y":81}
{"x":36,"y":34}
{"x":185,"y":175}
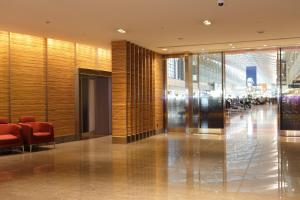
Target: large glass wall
{"x":290,"y":89}
{"x":198,"y":86}
{"x":251,"y":74}
{"x":176,"y":94}
{"x":207,"y":87}
{"x":211,"y":91}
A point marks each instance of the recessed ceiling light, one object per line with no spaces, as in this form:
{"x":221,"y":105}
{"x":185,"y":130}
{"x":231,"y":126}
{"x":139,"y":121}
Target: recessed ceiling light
{"x":120,"y":30}
{"x":207,"y":22}
{"x":265,"y":45}
{"x":202,"y":49}
{"x":164,"y":49}
{"x":233,"y":47}
{"x":230,"y":44}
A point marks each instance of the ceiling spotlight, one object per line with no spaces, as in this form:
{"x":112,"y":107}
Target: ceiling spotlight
{"x":260,"y":32}
{"x":233,"y":47}
{"x":164,"y":49}
{"x":265,"y":45}
{"x":230,"y":45}
{"x":221,"y":2}
{"x":120,"y":30}
{"x":207,"y":22}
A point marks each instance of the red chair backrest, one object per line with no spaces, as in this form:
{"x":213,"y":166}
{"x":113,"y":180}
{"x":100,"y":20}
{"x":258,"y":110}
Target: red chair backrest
{"x":26,"y":119}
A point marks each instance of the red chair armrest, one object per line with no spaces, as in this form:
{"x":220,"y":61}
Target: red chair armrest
{"x":15,"y":130}
{"x":26,"y":131}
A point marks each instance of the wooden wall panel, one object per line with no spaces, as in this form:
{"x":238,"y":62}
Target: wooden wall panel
{"x":61,"y":86}
{"x":159,"y":91}
{"x":86,"y":56}
{"x":104,"y":60}
{"x":4,"y":75}
{"x":119,"y":86}
{"x":27,"y":76}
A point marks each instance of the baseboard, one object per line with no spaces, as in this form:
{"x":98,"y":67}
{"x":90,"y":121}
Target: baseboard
{"x":65,"y":138}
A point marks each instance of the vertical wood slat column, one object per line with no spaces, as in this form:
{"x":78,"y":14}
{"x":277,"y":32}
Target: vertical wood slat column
{"x":151,"y":91}
{"x":159,"y":91}
{"x":133,"y":81}
{"x":136,"y":71}
{"x":119,"y":87}
{"x":4,"y":74}
{"x":28,"y":76}
{"x":129,"y":83}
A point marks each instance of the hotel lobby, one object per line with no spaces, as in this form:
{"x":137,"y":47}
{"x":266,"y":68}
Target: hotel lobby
{"x":149,"y":99}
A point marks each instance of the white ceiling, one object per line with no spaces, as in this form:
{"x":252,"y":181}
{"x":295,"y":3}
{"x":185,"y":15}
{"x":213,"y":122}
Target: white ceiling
{"x":158,"y":24}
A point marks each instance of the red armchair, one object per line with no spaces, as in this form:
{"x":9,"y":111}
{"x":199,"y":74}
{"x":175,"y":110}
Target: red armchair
{"x":10,"y":135}
{"x":35,"y":133}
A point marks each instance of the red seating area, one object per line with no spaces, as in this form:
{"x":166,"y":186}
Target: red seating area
{"x":10,"y":135}
{"x":36,"y":132}
{"x":28,"y":132}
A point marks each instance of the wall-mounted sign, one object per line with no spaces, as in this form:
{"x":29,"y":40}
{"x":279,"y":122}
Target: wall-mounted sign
{"x":251,"y":76}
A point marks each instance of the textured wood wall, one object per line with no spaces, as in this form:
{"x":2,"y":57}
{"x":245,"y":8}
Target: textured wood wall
{"x":159,"y":91}
{"x":4,"y":75}
{"x":28,"y":76}
{"x":104,"y":60}
{"x":37,"y":77}
{"x":86,"y":56}
{"x":133,"y":76}
{"x":61,"y":86}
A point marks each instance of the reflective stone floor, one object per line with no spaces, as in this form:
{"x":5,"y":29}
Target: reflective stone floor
{"x":250,"y":162}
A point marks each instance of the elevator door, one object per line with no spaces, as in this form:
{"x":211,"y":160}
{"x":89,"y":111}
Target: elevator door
{"x":95,"y":106}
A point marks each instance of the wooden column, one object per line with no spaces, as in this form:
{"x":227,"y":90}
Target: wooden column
{"x":119,"y":92}
{"x":133,"y":91}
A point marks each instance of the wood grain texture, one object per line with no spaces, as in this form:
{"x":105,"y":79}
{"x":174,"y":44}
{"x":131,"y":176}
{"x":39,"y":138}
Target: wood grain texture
{"x":61,"y":86}
{"x":119,"y":87}
{"x":86,"y":56}
{"x":134,"y":82}
{"x":4,"y":75}
{"x":104,"y":62}
{"x":28,"y":77}
{"x":159,"y":91}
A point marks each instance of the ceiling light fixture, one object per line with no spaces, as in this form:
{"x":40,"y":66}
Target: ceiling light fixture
{"x":164,"y":49}
{"x":207,"y":22}
{"x":265,"y":45}
{"x":120,"y":30}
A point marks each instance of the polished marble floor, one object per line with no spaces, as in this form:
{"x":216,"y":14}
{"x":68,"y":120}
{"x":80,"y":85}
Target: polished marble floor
{"x":249,"y":162}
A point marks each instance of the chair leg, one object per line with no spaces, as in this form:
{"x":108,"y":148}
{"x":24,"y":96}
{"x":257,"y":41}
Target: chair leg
{"x":54,"y":145}
{"x":30,"y":148}
{"x":23,"y":148}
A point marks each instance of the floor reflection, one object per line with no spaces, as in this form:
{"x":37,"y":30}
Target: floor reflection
{"x":250,"y":162}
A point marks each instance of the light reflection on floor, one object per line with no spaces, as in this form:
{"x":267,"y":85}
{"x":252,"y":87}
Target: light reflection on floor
{"x":248,"y":163}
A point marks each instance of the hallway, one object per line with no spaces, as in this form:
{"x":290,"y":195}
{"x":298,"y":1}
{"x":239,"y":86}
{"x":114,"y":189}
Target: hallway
{"x":248,"y":163}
